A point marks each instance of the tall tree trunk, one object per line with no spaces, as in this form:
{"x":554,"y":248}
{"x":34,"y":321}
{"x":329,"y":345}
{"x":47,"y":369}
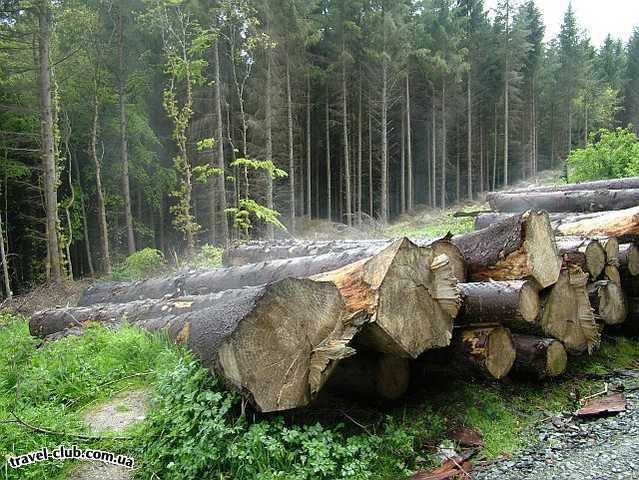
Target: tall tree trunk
{"x":291,"y":153}
{"x":347,"y":165}
{"x":269,"y":136}
{"x":481,"y":157}
{"x":470,"y":142}
{"x":48,"y":141}
{"x":329,"y":212}
{"x":409,"y":148}
{"x":5,"y":266}
{"x":495,"y":150}
{"x":443,"y":185}
{"x":219,"y":140}
{"x":569,"y":128}
{"x":402,"y":163}
{"x":308,"y":147}
{"x":102,"y":222}
{"x":124,"y":149}
{"x":457,"y":167}
{"x":506,"y":97}
{"x":359,"y":152}
{"x":370,"y":162}
{"x":85,"y":228}
{"x":383,"y":214}
{"x":433,"y":187}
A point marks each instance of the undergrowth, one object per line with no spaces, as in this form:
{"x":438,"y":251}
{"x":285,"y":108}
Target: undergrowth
{"x":195,"y":429}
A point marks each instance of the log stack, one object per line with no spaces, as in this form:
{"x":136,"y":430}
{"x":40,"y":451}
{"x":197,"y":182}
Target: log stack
{"x":284,"y":320}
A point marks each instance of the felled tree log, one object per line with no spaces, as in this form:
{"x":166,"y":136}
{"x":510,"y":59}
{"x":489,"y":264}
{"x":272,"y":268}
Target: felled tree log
{"x":539,"y":357}
{"x":613,"y":184}
{"x":262,"y":251}
{"x":564,"y":201}
{"x":201,"y":282}
{"x":629,"y":259}
{"x":518,"y":247}
{"x":607,"y":301}
{"x":370,"y":375}
{"x":587,"y":254}
{"x":567,"y":314}
{"x":276,"y":344}
{"x":514,"y":304}
{"x":410,"y":294}
{"x":612,"y":273}
{"x":489,"y":350}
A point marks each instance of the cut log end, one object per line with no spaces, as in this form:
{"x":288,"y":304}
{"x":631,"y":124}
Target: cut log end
{"x":488,"y":349}
{"x":529,"y":303}
{"x":556,"y":359}
{"x":595,"y":258}
{"x":607,"y":299}
{"x":629,"y":258}
{"x":539,"y":357}
{"x":543,"y":259}
{"x":612,"y":273}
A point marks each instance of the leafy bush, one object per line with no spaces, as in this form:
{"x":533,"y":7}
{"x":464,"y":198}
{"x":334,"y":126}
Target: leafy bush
{"x":610,"y":154}
{"x":209,"y":256}
{"x":143,"y":264}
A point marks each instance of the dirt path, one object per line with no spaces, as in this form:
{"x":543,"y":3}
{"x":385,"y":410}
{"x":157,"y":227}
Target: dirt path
{"x":569,"y":448}
{"x":114,"y":416}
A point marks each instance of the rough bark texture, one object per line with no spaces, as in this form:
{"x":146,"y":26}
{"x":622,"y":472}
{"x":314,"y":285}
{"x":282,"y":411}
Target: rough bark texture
{"x":570,"y":201}
{"x":607,"y":300}
{"x":518,"y":247}
{"x":514,"y":304}
{"x":488,"y":350}
{"x":629,"y":259}
{"x":615,"y":184}
{"x":276,"y":344}
{"x":539,"y":357}
{"x":567,"y":314}
{"x":587,"y":254}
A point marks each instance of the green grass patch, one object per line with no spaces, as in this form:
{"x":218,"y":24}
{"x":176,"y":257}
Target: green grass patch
{"x":432,"y":223}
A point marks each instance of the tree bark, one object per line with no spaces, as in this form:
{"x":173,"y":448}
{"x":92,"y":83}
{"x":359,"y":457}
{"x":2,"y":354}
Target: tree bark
{"x":85,"y":228}
{"x":567,"y":314}
{"x":359,"y":153}
{"x":328,"y":160}
{"x":519,"y":247}
{"x":607,"y":301}
{"x":5,"y":266}
{"x":580,"y":201}
{"x":276,"y":344}
{"x":384,"y":185}
{"x":124,"y":148}
{"x":539,"y":357}
{"x":433,"y":188}
{"x":469,"y":145}
{"x":370,"y":163}
{"x":347,"y":160}
{"x":309,"y":173}
{"x":291,"y":153}
{"x":613,"y":184}
{"x":402,"y":163}
{"x":48,"y":141}
{"x":409,"y":148}
{"x":487,"y":350}
{"x":220,"y":184}
{"x":588,"y":254}
{"x":269,"y":135}
{"x":506,"y":95}
{"x":444,"y":158}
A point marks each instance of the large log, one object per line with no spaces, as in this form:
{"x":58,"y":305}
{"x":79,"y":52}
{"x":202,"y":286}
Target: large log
{"x":276,"y":344}
{"x":613,"y":184}
{"x":539,"y":357}
{"x":567,"y":314}
{"x":489,"y":350}
{"x":410,"y":294}
{"x":514,"y":304}
{"x":254,"y":252}
{"x":568,"y":201}
{"x":216,"y":280}
{"x":607,"y":301}
{"x":517,"y":247}
{"x":588,"y":254}
{"x":629,"y":259}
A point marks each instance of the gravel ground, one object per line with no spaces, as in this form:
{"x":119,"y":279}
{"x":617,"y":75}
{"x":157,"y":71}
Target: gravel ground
{"x":570,"y":448}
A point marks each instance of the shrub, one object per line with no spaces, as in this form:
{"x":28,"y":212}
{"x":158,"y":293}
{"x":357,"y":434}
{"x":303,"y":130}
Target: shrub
{"x":209,"y":256}
{"x":143,"y":264}
{"x":610,"y":154}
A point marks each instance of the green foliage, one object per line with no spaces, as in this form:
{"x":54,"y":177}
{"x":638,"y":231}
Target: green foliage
{"x":248,"y":208}
{"x":265,"y":165}
{"x":142,"y":264}
{"x":203,"y":172}
{"x":610,"y":154}
{"x":209,"y":256}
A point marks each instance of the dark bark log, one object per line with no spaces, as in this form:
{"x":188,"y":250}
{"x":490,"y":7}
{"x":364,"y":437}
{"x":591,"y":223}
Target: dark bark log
{"x":369,"y":375}
{"x":629,"y":259}
{"x":571,"y":201}
{"x":607,"y":301}
{"x":615,"y":184}
{"x":276,"y":344}
{"x":488,"y":350}
{"x":587,"y":254}
{"x":567,"y":314}
{"x":539,"y":357}
{"x":518,"y":247}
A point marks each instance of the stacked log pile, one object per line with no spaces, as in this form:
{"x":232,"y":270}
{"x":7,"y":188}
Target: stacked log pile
{"x":283,"y":320}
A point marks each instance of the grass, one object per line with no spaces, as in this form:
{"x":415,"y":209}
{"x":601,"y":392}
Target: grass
{"x":431,"y":223}
{"x":194,"y":428}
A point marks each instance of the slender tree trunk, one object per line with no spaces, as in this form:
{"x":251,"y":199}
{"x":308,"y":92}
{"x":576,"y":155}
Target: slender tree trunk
{"x":495,"y":150}
{"x":359,"y":152}
{"x":269,"y":137}
{"x":370,"y":162}
{"x":219,"y":140}
{"x":569,"y":129}
{"x":506,"y":96}
{"x":308,"y":147}
{"x":329,"y":209}
{"x":48,"y":142}
{"x":586,"y":127}
{"x":443,"y":185}
{"x":481,"y":157}
{"x":384,"y":186}
{"x":291,"y":153}
{"x":85,"y":228}
{"x":433,"y":187}
{"x":5,"y":266}
{"x":124,"y":149}
{"x":552,"y":136}
{"x":347,"y":165}
{"x":402,"y":162}
{"x":458,"y":167}
{"x":470,"y":142}
{"x":102,"y":222}
{"x":409,"y":148}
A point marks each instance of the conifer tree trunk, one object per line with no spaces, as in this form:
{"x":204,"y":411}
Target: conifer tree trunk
{"x":124,"y":148}
{"x":85,"y":228}
{"x":409,"y":148}
{"x":308,"y":146}
{"x":328,"y":159}
{"x":219,"y":140}
{"x":370,"y":162}
{"x":383,"y":214}
{"x":48,"y":141}
{"x":402,"y":163}
{"x":359,"y":153}
{"x":433,"y":187}
{"x":495,"y":150}
{"x":506,"y":98}
{"x":5,"y":267}
{"x":443,"y":185}
{"x":347,"y":164}
{"x":470,"y":140}
{"x":269,"y":136}
{"x":481,"y":157}
{"x":291,"y":154}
